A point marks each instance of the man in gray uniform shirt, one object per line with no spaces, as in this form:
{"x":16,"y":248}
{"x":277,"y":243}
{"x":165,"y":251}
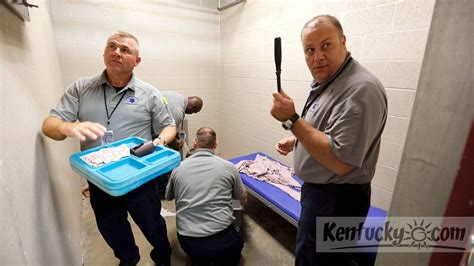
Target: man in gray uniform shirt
{"x":204,"y":186}
{"x":110,"y":107}
{"x":179,"y":106}
{"x":336,"y":139}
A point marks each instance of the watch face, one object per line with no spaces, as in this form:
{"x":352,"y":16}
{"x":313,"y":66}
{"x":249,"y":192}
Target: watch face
{"x":287,"y":125}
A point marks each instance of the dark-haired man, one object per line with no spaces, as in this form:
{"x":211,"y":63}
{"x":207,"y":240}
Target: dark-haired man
{"x":204,"y":186}
{"x":179,"y":106}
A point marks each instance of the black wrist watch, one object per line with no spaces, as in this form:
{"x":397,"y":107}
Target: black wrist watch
{"x":288,"y":124}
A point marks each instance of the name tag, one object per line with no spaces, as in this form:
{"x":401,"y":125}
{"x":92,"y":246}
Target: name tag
{"x":181,"y":135}
{"x":108,"y":137}
{"x":314,"y":107}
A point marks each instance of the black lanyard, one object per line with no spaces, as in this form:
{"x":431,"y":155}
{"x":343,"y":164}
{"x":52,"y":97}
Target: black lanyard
{"x":107,"y":110}
{"x":311,"y":100}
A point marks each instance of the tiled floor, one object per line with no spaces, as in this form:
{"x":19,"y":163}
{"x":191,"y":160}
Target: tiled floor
{"x":269,"y":239}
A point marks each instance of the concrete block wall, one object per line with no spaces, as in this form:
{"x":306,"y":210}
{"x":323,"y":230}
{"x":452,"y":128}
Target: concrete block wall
{"x":179,"y":44}
{"x":387,"y":36}
{"x":40,"y":196}
{"x":434,"y":175}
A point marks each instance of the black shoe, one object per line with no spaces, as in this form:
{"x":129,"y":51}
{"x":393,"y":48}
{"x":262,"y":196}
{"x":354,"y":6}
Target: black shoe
{"x":132,"y":262}
{"x":161,"y":263}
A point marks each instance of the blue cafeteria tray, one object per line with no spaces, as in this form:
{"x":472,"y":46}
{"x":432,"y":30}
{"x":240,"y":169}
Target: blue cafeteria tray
{"x":118,"y":178}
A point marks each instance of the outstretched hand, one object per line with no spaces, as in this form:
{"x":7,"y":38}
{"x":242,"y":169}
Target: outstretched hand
{"x":83,"y":130}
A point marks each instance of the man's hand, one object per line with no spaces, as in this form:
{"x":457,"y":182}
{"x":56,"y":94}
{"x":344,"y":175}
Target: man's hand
{"x":166,"y":136}
{"x":283,"y":106}
{"x":82,"y":130}
{"x":159,"y":141}
{"x":243,"y":199}
{"x":58,"y":129}
{"x":286,"y":145}
{"x":176,"y":144}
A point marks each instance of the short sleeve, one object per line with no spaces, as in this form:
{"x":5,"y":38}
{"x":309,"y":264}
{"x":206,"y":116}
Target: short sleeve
{"x":67,"y":108}
{"x":161,"y":114}
{"x":356,"y":123}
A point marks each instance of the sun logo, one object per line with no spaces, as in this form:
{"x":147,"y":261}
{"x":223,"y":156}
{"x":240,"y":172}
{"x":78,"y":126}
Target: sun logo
{"x":419,"y":234}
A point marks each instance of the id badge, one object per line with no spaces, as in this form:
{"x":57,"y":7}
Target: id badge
{"x":314,"y":106}
{"x":108,"y":137}
{"x":181,"y":135}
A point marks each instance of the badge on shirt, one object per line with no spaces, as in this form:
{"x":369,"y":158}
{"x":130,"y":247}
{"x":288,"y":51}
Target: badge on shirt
{"x":108,"y":137}
{"x":181,"y":135}
{"x":314,"y":107}
{"x":131,"y":100}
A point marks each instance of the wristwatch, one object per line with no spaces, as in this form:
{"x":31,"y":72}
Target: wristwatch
{"x":288,"y":124}
{"x":161,"y":139}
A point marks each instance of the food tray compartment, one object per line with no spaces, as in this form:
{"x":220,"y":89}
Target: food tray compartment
{"x":119,"y":177}
{"x":121,"y":169}
{"x":162,"y":156}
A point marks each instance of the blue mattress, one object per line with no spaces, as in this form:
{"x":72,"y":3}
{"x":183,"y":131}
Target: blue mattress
{"x":271,"y":193}
{"x":292,"y":208}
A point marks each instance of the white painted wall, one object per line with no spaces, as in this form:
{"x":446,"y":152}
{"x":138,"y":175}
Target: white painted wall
{"x":179,"y":44}
{"x":39,"y":195}
{"x":386,"y":36}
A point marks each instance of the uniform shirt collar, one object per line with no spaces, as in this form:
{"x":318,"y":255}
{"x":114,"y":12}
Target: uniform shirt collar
{"x":202,"y":152}
{"x":130,"y":85}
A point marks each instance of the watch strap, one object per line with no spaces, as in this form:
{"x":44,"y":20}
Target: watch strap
{"x":294,"y":117}
{"x":290,"y":123}
{"x":163,"y":140}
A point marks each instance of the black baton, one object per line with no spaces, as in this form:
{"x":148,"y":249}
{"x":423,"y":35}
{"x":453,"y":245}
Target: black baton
{"x":277,"y":49}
